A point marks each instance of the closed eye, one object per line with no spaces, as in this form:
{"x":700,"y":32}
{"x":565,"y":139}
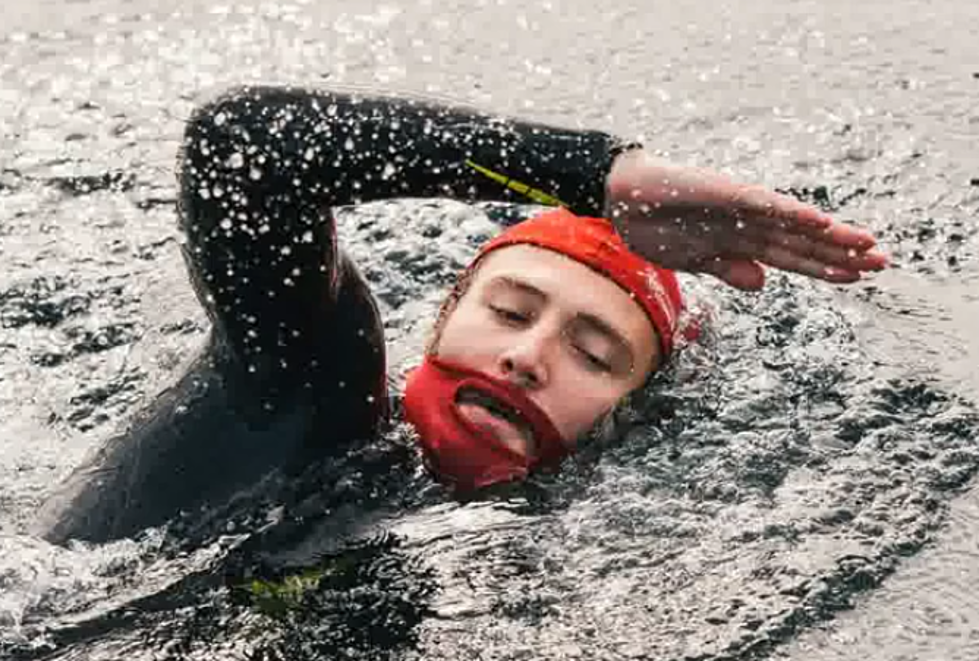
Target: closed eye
{"x":509,"y":316}
{"x":592,"y":361}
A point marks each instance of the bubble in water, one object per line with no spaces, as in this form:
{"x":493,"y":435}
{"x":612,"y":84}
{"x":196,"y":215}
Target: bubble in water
{"x":226,"y":224}
{"x":236,"y":161}
{"x":255,"y":174}
{"x":220,"y":119}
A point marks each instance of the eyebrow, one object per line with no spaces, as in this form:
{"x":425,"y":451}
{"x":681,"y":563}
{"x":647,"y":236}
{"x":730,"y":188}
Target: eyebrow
{"x":591,"y":321}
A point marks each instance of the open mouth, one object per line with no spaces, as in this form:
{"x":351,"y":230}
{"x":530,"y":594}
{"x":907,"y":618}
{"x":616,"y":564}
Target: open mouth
{"x":502,"y":412}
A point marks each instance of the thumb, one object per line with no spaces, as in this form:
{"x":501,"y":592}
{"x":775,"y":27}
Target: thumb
{"x":742,"y":274}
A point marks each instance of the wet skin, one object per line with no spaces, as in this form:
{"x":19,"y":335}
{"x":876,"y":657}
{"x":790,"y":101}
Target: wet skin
{"x":571,"y":337}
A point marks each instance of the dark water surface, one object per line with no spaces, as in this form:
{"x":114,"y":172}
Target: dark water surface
{"x":801,"y":488}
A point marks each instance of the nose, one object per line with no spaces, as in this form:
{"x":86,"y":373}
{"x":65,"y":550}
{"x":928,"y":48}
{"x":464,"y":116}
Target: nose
{"x":524,"y":362}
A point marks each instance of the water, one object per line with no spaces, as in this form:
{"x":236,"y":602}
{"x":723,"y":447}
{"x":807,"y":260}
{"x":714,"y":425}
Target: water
{"x":801,"y":487}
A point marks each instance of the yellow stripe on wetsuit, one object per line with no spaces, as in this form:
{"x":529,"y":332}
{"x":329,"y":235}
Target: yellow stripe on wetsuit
{"x":535,"y":194}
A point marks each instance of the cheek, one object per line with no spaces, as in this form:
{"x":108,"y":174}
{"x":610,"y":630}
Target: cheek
{"x":575,"y":405}
{"x":465,"y":334}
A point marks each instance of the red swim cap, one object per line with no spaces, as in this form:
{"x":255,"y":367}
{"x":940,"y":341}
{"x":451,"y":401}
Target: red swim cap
{"x":595,"y":243}
{"x":466,"y":457}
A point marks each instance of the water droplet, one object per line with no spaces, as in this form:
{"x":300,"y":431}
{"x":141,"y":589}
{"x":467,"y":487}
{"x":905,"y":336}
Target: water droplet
{"x":307,"y":237}
{"x":220,"y":119}
{"x":236,"y":161}
{"x":226,"y":224}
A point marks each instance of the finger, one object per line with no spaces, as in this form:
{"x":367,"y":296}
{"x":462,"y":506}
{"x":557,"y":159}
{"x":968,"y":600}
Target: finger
{"x":790,"y":214}
{"x":740,"y":273}
{"x":842,"y":235}
{"x":783,"y":210}
{"x":782,"y":258}
{"x":830,"y":254}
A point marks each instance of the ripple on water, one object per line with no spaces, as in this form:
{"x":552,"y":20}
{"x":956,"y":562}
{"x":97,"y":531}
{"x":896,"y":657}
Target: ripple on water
{"x":774,"y":474}
{"x":787,"y":466}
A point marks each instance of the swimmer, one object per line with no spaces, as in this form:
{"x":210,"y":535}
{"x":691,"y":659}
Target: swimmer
{"x":557,"y":319}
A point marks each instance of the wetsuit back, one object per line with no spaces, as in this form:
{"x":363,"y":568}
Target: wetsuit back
{"x":294,"y":367}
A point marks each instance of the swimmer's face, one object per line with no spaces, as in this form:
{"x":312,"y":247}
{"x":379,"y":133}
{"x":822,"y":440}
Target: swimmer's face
{"x":573,"y":339}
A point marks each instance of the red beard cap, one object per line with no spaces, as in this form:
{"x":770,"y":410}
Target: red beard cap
{"x":461,"y":454}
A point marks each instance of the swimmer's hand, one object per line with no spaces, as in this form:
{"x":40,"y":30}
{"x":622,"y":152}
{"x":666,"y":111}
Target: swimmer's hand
{"x":702,"y":222}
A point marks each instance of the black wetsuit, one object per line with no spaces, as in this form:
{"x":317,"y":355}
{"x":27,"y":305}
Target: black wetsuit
{"x":294,"y":368}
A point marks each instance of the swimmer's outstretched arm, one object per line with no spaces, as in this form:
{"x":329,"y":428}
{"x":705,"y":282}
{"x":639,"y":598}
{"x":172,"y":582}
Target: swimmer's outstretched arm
{"x":261,"y":168}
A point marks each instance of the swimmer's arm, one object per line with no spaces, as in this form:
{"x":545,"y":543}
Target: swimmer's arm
{"x":402,"y":147}
{"x":341,"y":148}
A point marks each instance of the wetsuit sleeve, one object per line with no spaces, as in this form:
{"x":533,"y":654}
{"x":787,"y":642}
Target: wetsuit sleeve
{"x":262,"y":167}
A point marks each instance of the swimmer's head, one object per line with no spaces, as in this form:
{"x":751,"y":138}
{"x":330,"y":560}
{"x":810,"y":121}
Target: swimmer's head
{"x":553,"y":324}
